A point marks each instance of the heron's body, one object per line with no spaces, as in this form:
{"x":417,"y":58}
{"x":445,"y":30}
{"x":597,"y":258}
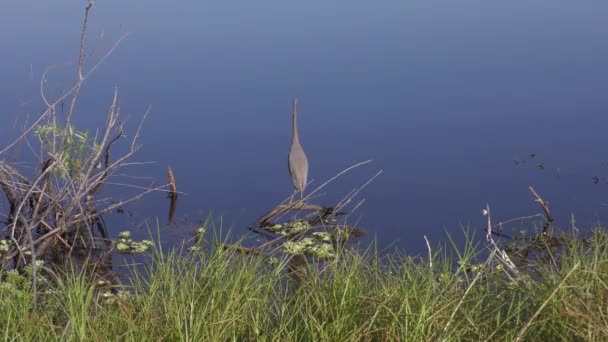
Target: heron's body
{"x":298,"y":163}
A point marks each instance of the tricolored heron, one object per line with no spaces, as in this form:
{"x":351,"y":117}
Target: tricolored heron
{"x":298,"y":163}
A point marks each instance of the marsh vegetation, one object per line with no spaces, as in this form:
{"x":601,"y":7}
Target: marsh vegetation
{"x":220,"y":294}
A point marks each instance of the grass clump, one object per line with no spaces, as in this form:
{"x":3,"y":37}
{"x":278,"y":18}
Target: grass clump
{"x":219,"y":294}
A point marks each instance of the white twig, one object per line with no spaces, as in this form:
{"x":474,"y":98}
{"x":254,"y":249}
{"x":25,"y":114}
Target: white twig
{"x":502,"y":255}
{"x":428,"y":246}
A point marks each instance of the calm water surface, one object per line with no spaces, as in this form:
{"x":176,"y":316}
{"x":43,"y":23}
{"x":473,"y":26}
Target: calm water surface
{"x":443,"y":96}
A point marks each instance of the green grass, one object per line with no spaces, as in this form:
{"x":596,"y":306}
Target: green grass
{"x":217,"y":295}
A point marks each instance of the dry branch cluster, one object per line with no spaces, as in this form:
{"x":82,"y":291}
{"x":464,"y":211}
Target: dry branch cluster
{"x":57,"y":203}
{"x":55,"y":206}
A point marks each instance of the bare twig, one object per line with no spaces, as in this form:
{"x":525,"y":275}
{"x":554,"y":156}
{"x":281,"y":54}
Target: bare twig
{"x":51,"y":108}
{"x":501,"y":254}
{"x":344,"y":203}
{"x":338,"y":175}
{"x":545,"y":206}
{"x":80,"y":63}
{"x":500,"y":225}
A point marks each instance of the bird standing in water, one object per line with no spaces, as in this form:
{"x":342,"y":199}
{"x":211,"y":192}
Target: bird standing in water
{"x":298,"y":163}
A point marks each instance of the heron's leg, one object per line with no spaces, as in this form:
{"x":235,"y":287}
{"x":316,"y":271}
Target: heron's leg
{"x":292,"y":196}
{"x":301,"y":201}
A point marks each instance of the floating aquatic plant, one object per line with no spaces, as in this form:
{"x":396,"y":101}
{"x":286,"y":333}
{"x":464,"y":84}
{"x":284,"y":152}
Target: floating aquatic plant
{"x":317,"y":244}
{"x":4,"y":246}
{"x":323,"y":236}
{"x":324,"y":251}
{"x":111,"y":298}
{"x":126,"y":245}
{"x":310,"y":246}
{"x":291,"y":228}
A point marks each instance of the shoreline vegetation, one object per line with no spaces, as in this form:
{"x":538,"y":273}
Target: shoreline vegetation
{"x":217,"y":294}
{"x":308,"y":280}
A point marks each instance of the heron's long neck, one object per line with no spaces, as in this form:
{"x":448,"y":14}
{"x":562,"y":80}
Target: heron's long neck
{"x":295,"y":139}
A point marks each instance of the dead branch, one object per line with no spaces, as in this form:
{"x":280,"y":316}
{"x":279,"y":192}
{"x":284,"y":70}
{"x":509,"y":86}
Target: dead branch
{"x":500,"y":225}
{"x":80,"y":63}
{"x":545,"y":206}
{"x":338,"y":175}
{"x":502,"y":255}
{"x":56,"y":207}
{"x":172,"y":208}
{"x":172,"y":186}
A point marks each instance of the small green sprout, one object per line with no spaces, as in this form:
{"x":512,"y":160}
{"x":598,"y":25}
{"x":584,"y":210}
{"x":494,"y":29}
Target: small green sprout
{"x":201,"y":231}
{"x":194,"y":249}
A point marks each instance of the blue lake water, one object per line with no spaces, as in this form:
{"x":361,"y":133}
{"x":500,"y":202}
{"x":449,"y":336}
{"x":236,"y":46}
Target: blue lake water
{"x":442,"y":96}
